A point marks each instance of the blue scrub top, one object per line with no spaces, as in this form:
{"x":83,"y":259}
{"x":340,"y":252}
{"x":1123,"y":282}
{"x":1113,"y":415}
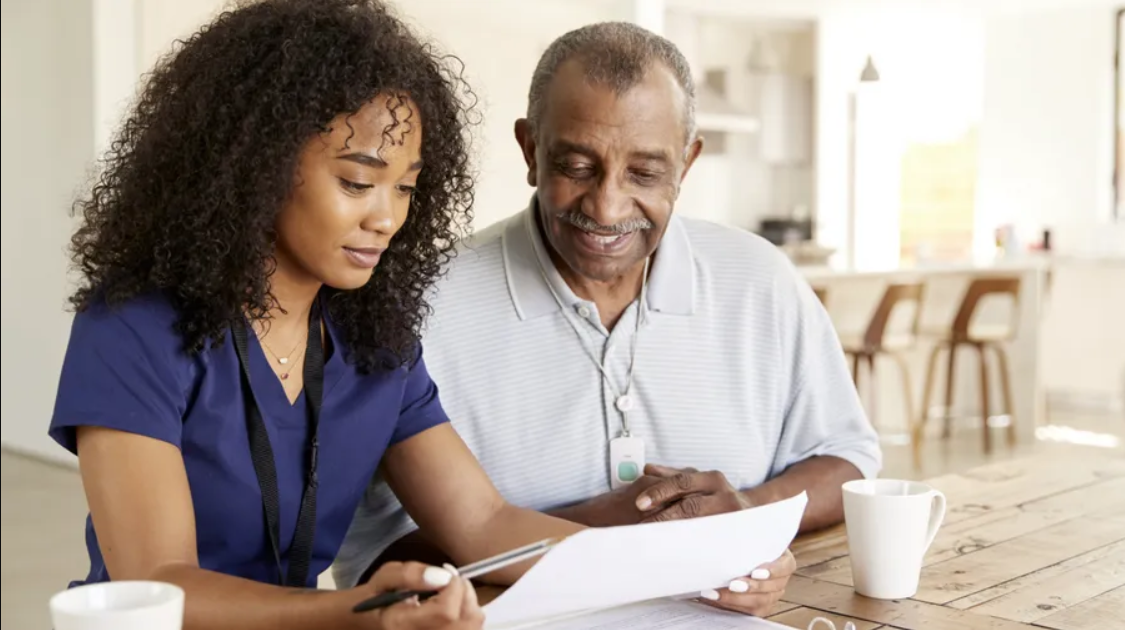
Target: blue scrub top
{"x":125,"y":369}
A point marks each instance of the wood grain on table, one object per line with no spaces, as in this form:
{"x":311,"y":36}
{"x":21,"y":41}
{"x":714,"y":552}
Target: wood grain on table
{"x":1033,"y":543}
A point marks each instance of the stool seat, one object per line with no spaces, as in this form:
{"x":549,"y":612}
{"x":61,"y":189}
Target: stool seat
{"x":821,"y":294}
{"x":891,"y":342}
{"x":978,"y":333}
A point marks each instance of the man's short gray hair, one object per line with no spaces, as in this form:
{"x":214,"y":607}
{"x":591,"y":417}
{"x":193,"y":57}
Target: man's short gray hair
{"x":614,"y":54}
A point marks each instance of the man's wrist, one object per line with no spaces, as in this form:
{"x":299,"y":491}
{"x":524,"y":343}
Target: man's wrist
{"x":757,"y":496}
{"x":577,"y":513}
{"x":595,"y":512}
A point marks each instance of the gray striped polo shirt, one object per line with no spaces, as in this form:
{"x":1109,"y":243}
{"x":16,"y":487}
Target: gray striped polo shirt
{"x":738,"y":369}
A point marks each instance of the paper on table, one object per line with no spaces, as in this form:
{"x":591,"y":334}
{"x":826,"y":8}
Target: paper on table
{"x":598,"y":569}
{"x":663,"y":614}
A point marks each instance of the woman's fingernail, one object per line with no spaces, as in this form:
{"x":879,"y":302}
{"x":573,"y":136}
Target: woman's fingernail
{"x":712,"y":595}
{"x":644,"y":503}
{"x":738,"y":586}
{"x":436,"y":577}
{"x":760,"y":574}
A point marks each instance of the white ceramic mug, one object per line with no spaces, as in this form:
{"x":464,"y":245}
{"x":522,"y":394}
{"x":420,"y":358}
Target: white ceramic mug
{"x":891,"y":524}
{"x":119,"y":606}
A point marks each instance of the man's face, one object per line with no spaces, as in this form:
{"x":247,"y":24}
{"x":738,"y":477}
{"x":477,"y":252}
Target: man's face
{"x":608,"y":168}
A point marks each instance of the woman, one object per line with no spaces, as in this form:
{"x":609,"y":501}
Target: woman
{"x":245,"y":353}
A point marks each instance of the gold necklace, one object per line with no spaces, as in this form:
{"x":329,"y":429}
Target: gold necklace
{"x":285,"y":375}
{"x":280,"y":359}
{"x":284,"y":360}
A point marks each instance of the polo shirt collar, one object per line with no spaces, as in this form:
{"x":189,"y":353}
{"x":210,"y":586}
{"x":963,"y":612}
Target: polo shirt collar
{"x":529,"y":269}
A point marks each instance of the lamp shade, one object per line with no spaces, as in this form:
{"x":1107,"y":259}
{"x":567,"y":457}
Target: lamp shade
{"x":869,"y":74}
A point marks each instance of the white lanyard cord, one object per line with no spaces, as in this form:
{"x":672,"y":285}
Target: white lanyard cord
{"x":642,"y":314}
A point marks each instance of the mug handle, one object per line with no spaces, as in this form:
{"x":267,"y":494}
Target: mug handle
{"x":937,"y":515}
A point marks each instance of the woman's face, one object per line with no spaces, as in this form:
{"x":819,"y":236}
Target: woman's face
{"x":351,"y":195}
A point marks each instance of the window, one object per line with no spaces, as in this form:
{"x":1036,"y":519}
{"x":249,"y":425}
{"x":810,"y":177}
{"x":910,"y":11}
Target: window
{"x":938,"y":190}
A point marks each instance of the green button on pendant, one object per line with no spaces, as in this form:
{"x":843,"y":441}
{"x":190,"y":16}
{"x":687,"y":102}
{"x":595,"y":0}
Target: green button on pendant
{"x":628,"y":471}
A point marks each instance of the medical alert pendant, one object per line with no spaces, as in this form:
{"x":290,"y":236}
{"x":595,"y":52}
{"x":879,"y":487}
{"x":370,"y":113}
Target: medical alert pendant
{"x":626,"y":461}
{"x":624,"y":403}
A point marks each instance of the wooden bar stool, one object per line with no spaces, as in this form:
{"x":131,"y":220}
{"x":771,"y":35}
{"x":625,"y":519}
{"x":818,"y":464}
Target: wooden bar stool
{"x":982,"y":338}
{"x":878,"y":340}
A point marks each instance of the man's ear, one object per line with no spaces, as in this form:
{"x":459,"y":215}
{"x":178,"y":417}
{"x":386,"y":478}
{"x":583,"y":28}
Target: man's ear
{"x":526,"y":139}
{"x":690,"y":153}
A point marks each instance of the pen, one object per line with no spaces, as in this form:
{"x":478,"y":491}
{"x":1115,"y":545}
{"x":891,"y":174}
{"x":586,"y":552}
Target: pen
{"x":469,"y":572}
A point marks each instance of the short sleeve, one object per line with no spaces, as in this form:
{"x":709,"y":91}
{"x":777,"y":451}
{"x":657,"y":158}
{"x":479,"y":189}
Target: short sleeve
{"x":124,"y":369}
{"x":823,"y":412}
{"x":421,"y":405}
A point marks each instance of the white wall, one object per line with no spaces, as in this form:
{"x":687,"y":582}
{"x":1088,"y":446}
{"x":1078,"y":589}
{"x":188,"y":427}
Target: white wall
{"x":115,"y":67}
{"x":160,"y":22}
{"x":48,"y":136}
{"x":1046,"y":143}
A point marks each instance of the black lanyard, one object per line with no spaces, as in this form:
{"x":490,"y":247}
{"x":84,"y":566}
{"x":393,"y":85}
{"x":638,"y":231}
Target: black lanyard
{"x":300,"y":551}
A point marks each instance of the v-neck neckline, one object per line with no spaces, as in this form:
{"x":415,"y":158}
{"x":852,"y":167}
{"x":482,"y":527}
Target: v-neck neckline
{"x":275,"y":393}
{"x":275,"y":397}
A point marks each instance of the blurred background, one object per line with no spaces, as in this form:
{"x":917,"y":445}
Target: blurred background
{"x":947,"y":174}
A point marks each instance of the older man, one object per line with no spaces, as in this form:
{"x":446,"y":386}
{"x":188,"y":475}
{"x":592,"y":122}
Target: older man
{"x":597,"y":351}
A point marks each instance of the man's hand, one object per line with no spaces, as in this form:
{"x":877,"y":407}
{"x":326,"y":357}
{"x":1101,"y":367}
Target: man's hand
{"x":687,"y":493}
{"x":611,"y":509}
{"x":757,"y":594}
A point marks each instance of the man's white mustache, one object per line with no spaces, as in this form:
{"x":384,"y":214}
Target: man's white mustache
{"x":586,"y":224}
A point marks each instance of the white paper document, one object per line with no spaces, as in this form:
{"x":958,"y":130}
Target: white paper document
{"x":663,"y":615}
{"x":600,"y":569}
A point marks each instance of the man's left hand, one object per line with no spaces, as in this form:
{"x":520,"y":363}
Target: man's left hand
{"x":687,"y":493}
{"x":757,"y":594}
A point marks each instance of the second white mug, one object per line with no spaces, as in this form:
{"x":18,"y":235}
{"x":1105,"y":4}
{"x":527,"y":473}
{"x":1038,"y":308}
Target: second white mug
{"x":890,"y":524}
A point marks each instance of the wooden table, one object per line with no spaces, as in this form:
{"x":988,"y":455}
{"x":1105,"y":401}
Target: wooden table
{"x":1034,"y":543}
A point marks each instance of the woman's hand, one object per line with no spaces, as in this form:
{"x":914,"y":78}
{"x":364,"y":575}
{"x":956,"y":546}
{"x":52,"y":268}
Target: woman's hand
{"x":759,"y":593}
{"x":455,"y":607}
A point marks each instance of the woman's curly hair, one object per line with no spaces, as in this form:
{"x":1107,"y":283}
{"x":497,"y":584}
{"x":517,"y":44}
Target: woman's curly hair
{"x":187,"y":199}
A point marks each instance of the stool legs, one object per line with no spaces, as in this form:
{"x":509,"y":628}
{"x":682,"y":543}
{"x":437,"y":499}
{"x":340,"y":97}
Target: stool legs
{"x":927,"y":391}
{"x":868,"y":397}
{"x":872,"y":390}
{"x":984,"y":410}
{"x":985,"y":398}
{"x":908,"y":402}
{"x":947,"y":429}
{"x":1006,"y":390}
